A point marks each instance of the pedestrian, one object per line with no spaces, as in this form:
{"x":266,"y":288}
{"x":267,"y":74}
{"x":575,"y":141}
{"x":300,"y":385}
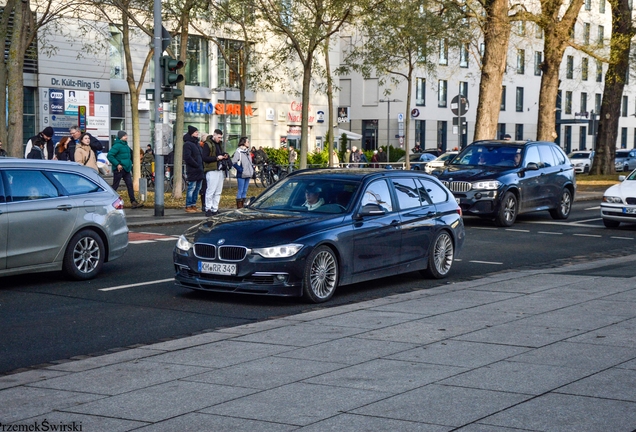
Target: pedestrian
{"x":375,"y":159}
{"x":148,"y":157}
{"x":193,"y":159}
{"x":204,"y":182}
{"x":244,"y":170}
{"x":417,"y":148}
{"x":84,"y":154}
{"x":37,"y":149}
{"x":362,"y":158}
{"x":292,"y":158}
{"x":61,"y":149}
{"x":336,"y":160}
{"x":75,"y":134}
{"x":507,"y":137}
{"x":214,"y":166}
{"x":47,"y":138}
{"x":354,"y":157}
{"x":3,"y":152}
{"x":120,"y":158}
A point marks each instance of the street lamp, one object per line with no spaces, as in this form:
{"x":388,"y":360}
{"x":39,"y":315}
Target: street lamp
{"x":388,"y":125}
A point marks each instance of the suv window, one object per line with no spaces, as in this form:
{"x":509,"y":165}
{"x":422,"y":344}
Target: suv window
{"x":532,"y":156}
{"x":559,"y":155}
{"x":547,"y":158}
{"x":407,"y":194}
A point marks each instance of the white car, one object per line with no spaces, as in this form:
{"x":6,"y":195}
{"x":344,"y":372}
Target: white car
{"x":440,"y":162}
{"x":619,"y":202}
{"x":581,"y":160}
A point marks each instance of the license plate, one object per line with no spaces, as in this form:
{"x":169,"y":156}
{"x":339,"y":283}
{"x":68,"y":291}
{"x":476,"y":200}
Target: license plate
{"x":217,"y":268}
{"x":629,"y":210}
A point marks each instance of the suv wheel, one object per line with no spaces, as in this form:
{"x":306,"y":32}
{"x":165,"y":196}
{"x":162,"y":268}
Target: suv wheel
{"x":507,"y":210}
{"x":565,"y":205}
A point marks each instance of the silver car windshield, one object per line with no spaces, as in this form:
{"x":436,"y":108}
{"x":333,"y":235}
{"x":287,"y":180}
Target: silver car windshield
{"x":302,"y":194}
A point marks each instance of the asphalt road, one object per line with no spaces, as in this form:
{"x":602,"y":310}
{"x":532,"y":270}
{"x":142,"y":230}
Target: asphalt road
{"x":45,"y":318}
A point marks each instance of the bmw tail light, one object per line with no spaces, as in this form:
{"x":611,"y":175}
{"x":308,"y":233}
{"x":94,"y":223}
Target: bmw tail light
{"x":119,"y":204}
{"x":459,"y":211}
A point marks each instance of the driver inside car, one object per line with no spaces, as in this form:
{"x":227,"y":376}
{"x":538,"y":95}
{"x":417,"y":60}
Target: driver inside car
{"x":312,"y":198}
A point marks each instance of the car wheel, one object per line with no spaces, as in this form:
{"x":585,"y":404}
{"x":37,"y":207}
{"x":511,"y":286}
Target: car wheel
{"x":564,"y":207}
{"x":440,"y":257}
{"x":321,"y":275}
{"x":84,"y":255}
{"x":507,"y":210}
{"x":611,"y":223}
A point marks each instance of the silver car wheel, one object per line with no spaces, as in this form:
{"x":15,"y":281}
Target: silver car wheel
{"x":320,"y":278}
{"x":443,"y":254}
{"x":86,"y":255}
{"x":566,"y":202}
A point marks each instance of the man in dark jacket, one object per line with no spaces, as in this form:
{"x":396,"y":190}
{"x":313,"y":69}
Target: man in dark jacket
{"x":76,"y":133}
{"x":47,"y":136}
{"x":213,"y":159}
{"x":194,"y":167}
{"x":120,"y":159}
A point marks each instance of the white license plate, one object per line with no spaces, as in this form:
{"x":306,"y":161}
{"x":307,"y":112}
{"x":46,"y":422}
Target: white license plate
{"x":457,"y":199}
{"x":629,"y":210}
{"x":217,"y":268}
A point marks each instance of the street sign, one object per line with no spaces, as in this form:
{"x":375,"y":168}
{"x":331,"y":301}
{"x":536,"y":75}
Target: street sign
{"x":400,"y":118}
{"x":459,"y":109}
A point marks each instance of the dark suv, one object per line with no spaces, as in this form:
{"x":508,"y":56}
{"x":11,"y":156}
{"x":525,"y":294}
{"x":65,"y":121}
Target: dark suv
{"x":501,"y":179}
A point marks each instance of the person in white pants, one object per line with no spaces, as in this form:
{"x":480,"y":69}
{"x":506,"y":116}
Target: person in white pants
{"x":213,"y":154}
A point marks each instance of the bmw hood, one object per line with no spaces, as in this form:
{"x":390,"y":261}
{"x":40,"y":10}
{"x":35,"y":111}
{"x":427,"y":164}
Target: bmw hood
{"x":256,"y":228}
{"x":473,"y":173}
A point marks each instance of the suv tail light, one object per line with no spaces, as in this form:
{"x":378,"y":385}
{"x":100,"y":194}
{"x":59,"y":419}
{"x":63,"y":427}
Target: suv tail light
{"x":119,"y":204}
{"x":459,"y":211}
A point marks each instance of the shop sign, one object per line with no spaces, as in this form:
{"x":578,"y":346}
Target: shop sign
{"x":295,"y":113}
{"x":270,"y":114}
{"x":218,"y":109}
{"x":320,"y":117}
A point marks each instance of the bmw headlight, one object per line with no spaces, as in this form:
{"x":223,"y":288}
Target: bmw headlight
{"x":612,"y":200}
{"x":183,"y":244}
{"x":283,"y":251}
{"x":488,"y":184}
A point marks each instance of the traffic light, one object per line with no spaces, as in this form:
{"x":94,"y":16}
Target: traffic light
{"x":170,"y":77}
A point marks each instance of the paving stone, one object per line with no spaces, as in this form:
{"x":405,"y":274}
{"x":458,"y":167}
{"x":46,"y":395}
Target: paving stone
{"x":566,"y":413}
{"x":301,"y":334}
{"x":393,"y":376}
{"x":423,"y":331}
{"x":266,"y":373}
{"x":518,"y":334}
{"x":190,"y":341}
{"x":443,"y":405}
{"x":459,"y":353}
{"x":86,"y":422}
{"x":208,"y":422}
{"x":105,"y":360}
{"x":18,"y":379}
{"x":367,"y":319}
{"x":161,"y":402}
{"x":612,"y":383}
{"x":531,"y":283}
{"x":299,"y":404}
{"x":579,"y":317}
{"x":349,"y":422}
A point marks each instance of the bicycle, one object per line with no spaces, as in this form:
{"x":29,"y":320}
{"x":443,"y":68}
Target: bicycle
{"x":270,"y":174}
{"x":169,"y":179}
{"x":148,"y":174}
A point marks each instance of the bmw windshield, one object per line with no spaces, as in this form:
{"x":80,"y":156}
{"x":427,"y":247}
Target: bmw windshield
{"x":489,"y":155}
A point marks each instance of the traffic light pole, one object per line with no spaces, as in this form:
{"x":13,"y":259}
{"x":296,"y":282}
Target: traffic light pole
{"x":159,"y":170}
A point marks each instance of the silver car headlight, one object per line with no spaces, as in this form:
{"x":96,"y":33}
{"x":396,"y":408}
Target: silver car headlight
{"x":183,"y":244}
{"x":488,"y":184}
{"x":283,"y":251}
{"x":612,"y":200}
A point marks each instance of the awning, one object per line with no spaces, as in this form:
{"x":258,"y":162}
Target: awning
{"x":350,"y":135}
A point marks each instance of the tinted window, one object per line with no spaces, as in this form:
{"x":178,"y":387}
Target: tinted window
{"x":559,"y":156}
{"x":378,"y":193}
{"x":434,"y":193}
{"x":28,"y":185}
{"x":487,"y":155}
{"x":547,"y":158}
{"x":407,"y":194}
{"x":76,"y":184}
{"x":532,"y":156}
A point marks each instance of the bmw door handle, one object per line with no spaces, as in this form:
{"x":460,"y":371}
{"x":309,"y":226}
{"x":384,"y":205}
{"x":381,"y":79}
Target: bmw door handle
{"x":395,"y":223}
{"x":64,"y":207}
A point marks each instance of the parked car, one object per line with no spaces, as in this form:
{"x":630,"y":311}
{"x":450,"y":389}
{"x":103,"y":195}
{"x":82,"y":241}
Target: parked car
{"x":363,"y":224}
{"x":440,"y":162}
{"x":417,"y":161}
{"x":619,"y":202}
{"x":58,"y":216}
{"x":582,"y":160}
{"x":625,"y":160}
{"x":501,"y":179}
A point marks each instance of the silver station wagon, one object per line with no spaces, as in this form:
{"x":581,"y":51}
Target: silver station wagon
{"x":58,"y":216}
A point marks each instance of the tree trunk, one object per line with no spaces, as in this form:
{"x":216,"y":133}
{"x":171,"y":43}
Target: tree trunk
{"x":304,"y":134}
{"x":330,"y":129}
{"x":620,"y":45}
{"x":15,"y":82}
{"x":407,"y":115}
{"x":134,"y":102}
{"x":496,"y":37}
{"x":177,"y":190}
{"x":4,"y":34}
{"x":557,"y":32}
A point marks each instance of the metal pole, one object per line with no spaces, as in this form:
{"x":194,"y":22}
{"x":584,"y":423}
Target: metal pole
{"x":224,"y":117}
{"x":388,"y":128}
{"x":159,"y":171}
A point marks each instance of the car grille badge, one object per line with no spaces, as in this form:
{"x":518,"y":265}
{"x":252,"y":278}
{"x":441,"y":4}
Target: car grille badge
{"x":220,"y":242}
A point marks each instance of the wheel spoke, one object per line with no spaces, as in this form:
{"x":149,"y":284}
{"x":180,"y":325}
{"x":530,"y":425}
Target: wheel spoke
{"x":86,"y":255}
{"x":323,"y":274}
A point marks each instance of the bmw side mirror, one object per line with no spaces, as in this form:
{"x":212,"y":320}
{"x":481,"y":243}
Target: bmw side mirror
{"x":370,"y":210}
{"x":532,"y":166}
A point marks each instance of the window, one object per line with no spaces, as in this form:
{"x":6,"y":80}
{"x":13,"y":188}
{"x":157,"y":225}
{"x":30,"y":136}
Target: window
{"x":521,"y":61}
{"x":624,"y":137}
{"x":420,"y":91}
{"x":547,"y":157}
{"x":501,"y":130}
{"x":583,"y":103}
{"x":519,"y":132}
{"x":442,"y":87}
{"x":420,"y":131}
{"x":75,"y":184}
{"x":503,"y":98}
{"x":196,"y":71}
{"x":407,"y":193}
{"x":227,"y":75}
{"x":117,"y":113}
{"x":585,"y":65}
{"x":569,"y":67}
{"x":601,"y":6}
{"x":599,"y":71}
{"x":29,"y":127}
{"x":538,"y":62}
{"x":532,"y":156}
{"x":442,"y":129}
{"x":597,"y":102}
{"x":116,"y":54}
{"x":582,"y":138}
{"x":586,"y":33}
{"x":568,"y":102}
{"x":463,"y":56}
{"x":443,"y":52}
{"x":521,"y":28}
{"x":519,"y":100}
{"x":624,"y":106}
{"x":378,"y":193}
{"x":463,"y":89}
{"x":538,"y":31}
{"x":432,"y":192}
{"x":601,"y":35}
{"x":29,"y":185}
{"x":482,"y":49}
{"x":588,"y":5}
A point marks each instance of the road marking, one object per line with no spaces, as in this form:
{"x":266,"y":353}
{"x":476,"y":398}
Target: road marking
{"x":587,"y":235}
{"x":623,"y":238}
{"x":517,"y":230}
{"x":136,"y":284}
{"x":484,"y":228}
{"x":589,"y":220}
{"x":141,"y":241}
{"x":569,"y":224}
{"x":551,"y":233}
{"x":168,"y":239}
{"x":485,"y":262}
{"x":593,"y":208}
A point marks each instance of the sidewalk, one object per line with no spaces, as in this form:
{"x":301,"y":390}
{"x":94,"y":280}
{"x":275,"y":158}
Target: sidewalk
{"x":540,"y":350}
